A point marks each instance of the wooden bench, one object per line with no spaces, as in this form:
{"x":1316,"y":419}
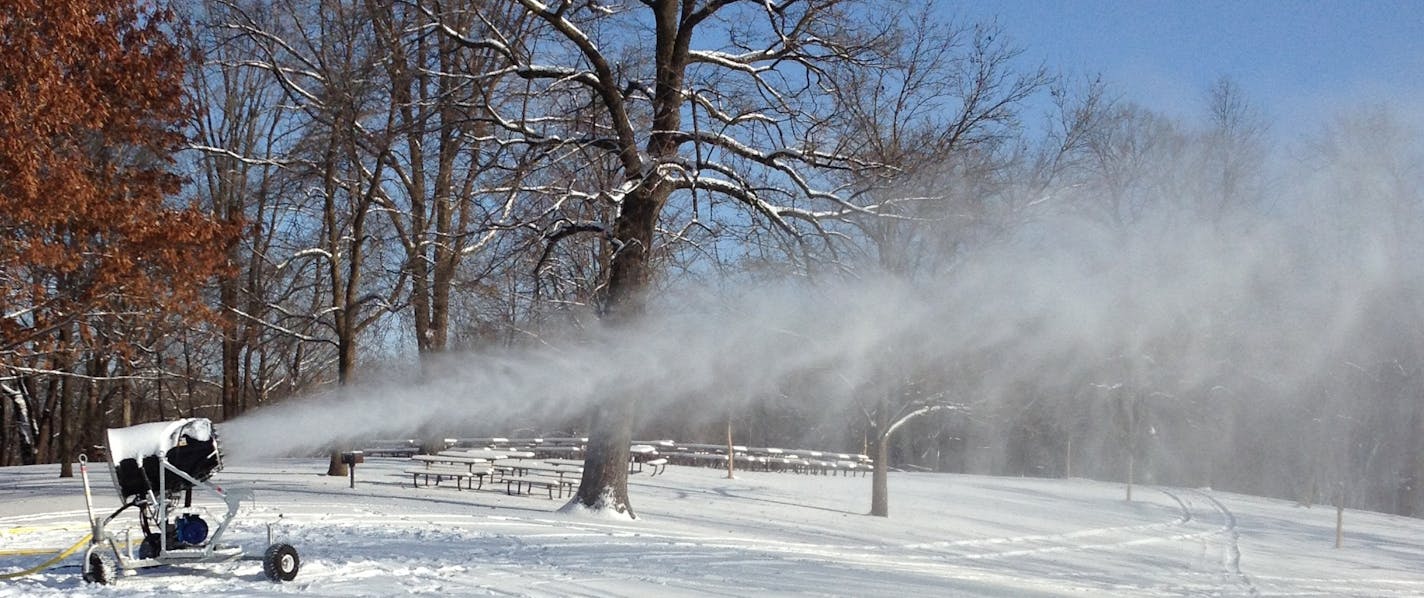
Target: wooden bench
{"x":638,"y":454}
{"x":391,"y":451}
{"x":526,"y":483}
{"x":470,"y":463}
{"x":476,"y":476}
{"x":853,"y":468}
{"x":507,"y":468}
{"x":658,"y":465}
{"x":566,"y":480}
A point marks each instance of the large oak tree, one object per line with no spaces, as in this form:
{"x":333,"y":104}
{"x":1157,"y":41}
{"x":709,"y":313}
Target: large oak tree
{"x":92,"y":111}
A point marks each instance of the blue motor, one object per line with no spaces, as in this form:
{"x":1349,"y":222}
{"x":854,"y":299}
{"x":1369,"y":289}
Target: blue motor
{"x":191,"y":529}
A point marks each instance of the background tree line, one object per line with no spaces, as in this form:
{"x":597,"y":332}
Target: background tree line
{"x":247,"y":201}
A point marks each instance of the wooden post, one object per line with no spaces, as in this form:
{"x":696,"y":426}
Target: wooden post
{"x":731,"y":450}
{"x":1339,"y":521}
{"x":1130,"y":458}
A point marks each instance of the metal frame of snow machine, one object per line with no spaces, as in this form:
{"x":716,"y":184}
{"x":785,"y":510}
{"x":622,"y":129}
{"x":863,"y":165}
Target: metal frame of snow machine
{"x":154,"y":467}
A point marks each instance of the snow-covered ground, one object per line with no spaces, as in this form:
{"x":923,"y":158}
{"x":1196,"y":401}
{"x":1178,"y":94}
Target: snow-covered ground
{"x":762,"y":534}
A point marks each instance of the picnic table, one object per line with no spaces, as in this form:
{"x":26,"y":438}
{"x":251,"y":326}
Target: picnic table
{"x":557,"y":450}
{"x":391,"y":451}
{"x":521,"y":466}
{"x":567,"y":441}
{"x":704,"y":459}
{"x":666,"y":444}
{"x":524,"y":475}
{"x":451,"y":459}
{"x":489,"y":454}
{"x":454,"y":467}
{"x":562,"y":472}
{"x":713,"y":447}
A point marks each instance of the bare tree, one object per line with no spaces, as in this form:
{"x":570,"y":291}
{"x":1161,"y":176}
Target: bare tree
{"x":238,"y":136}
{"x":1232,"y":155}
{"x":452,"y":172}
{"x":325,"y":59}
{"x":693,"y":99}
{"x":940,"y":115}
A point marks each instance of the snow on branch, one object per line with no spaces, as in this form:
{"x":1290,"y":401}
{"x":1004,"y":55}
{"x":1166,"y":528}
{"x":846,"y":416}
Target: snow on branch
{"x":208,"y":149}
{"x":723,"y":116}
{"x":918,"y":412}
{"x":305,"y":253}
{"x":564,"y":229}
{"x":782,"y":160}
{"x":286,"y":331}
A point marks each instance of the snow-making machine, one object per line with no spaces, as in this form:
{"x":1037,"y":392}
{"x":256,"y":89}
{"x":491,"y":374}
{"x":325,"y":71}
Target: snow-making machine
{"x":156,"y":468}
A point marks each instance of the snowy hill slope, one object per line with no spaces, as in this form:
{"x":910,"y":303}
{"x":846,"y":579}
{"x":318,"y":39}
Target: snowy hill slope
{"x":762,"y":534}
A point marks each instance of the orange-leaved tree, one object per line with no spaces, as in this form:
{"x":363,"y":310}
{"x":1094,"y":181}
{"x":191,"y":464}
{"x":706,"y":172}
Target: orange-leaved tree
{"x":92,"y":112}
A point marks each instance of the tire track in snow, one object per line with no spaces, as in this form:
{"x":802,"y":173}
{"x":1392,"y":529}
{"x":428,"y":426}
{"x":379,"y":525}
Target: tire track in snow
{"x":1232,"y":539}
{"x":687,"y":557}
{"x":1207,"y":521}
{"x":705,"y":564}
{"x":1330,"y":587}
{"x":565,"y":533}
{"x":582,"y":548}
{"x":1038,"y":544}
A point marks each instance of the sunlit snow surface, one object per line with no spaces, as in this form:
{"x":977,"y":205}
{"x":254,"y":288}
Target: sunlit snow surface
{"x":762,"y":534}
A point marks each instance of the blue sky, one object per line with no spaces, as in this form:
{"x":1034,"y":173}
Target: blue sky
{"x":1300,"y":62}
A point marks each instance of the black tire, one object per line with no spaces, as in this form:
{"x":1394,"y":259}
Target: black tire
{"x":281,"y":563}
{"x":99,"y":570}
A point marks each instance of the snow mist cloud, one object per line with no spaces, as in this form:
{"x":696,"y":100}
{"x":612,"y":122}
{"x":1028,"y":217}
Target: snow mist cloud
{"x":1258,"y":307}
{"x":724,"y":353}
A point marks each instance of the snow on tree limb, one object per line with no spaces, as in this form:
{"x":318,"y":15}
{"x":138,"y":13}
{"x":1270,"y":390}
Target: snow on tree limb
{"x":918,"y":412}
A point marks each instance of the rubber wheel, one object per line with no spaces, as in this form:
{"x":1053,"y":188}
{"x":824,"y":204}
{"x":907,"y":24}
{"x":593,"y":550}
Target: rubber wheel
{"x":281,"y":563}
{"x":99,"y":571}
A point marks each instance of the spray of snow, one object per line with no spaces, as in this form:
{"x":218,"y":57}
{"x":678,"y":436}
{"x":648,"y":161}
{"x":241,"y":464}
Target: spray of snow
{"x":1170,"y":303}
{"x":779,"y":332}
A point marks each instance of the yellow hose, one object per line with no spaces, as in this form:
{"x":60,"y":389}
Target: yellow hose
{"x":51,"y":562}
{"x":53,"y":527}
{"x":28,"y":551}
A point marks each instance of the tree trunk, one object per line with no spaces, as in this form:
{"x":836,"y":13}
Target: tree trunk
{"x":1339,"y":522}
{"x":48,"y":418}
{"x":126,"y":405}
{"x":66,"y":425}
{"x":1130,"y":464}
{"x":605,"y":477}
{"x":337,"y":467}
{"x":65,"y":411}
{"x":731,"y":451}
{"x":605,"y":472}
{"x":343,"y":288}
{"x":231,"y":349}
{"x":91,"y":414}
{"x":346,"y":356}
{"x":6,"y":437}
{"x":880,"y":478}
{"x":26,"y":423}
{"x":604,"y":484}
{"x":880,"y":445}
